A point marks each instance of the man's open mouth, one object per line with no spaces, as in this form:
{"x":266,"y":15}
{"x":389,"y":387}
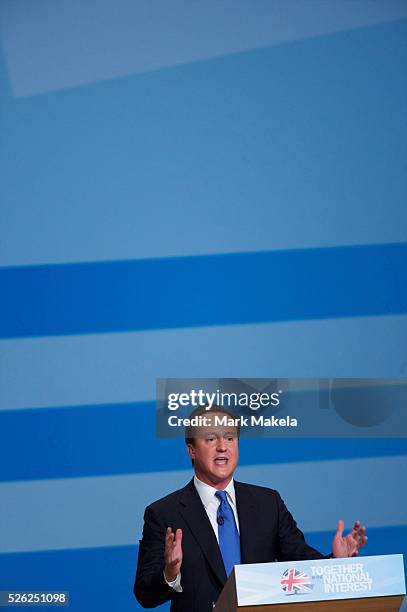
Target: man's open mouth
{"x":221,"y":460}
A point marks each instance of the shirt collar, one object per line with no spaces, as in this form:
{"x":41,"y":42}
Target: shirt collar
{"x":207,"y":493}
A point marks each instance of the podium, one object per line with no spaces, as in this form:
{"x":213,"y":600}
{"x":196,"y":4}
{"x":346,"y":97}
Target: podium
{"x":356,"y":584}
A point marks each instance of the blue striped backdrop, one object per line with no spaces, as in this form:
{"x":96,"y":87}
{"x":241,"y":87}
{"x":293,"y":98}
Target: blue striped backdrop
{"x":191,"y":190}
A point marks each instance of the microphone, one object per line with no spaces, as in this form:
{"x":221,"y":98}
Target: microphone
{"x":220,"y":520}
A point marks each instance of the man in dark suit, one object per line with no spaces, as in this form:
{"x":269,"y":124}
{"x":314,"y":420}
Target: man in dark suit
{"x":193,"y":537}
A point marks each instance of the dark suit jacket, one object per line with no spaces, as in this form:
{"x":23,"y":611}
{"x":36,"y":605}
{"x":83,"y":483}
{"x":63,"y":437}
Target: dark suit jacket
{"x":268,"y":532}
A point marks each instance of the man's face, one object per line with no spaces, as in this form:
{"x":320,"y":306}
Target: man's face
{"x":215,"y":453}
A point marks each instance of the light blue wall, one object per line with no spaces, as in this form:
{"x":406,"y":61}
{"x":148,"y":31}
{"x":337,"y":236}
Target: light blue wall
{"x":191,"y":189}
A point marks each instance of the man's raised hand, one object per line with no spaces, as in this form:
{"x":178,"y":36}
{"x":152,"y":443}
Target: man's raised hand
{"x":172,"y":554}
{"x":349,"y":546}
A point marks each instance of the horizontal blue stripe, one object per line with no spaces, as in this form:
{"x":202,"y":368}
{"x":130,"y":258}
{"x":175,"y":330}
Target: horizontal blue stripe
{"x":120,"y":439}
{"x":102,"y":578}
{"x":200,"y":291}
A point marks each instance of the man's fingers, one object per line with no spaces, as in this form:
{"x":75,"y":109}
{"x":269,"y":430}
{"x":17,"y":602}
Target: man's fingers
{"x":362,"y":541}
{"x":172,"y":541}
{"x":341,"y":527}
{"x":169,"y":536}
{"x":359,"y":535}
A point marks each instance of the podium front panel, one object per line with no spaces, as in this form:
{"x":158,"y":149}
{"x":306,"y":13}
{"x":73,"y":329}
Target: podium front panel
{"x":319,"y":580}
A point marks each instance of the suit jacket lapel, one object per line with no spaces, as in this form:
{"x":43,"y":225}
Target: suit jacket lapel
{"x":195,"y":516}
{"x":246,"y":511}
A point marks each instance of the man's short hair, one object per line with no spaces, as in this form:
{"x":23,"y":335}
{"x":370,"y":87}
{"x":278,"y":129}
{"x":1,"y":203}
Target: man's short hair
{"x":203,"y":411}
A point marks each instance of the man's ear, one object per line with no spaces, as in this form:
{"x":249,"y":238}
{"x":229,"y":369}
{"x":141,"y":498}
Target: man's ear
{"x":191,"y":451}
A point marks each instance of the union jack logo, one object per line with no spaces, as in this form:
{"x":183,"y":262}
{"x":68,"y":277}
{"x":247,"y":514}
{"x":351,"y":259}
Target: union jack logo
{"x":294,"y":581}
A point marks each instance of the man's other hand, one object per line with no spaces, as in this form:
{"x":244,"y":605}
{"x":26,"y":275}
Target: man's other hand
{"x":350,"y":545}
{"x":173,"y":554}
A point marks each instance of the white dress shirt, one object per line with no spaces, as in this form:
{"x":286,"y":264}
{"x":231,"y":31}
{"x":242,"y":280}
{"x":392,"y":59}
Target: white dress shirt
{"x":211,"y":502}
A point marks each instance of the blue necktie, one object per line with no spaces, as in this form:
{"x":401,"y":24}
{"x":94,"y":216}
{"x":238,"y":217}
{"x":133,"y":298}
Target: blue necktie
{"x":229,"y":539}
